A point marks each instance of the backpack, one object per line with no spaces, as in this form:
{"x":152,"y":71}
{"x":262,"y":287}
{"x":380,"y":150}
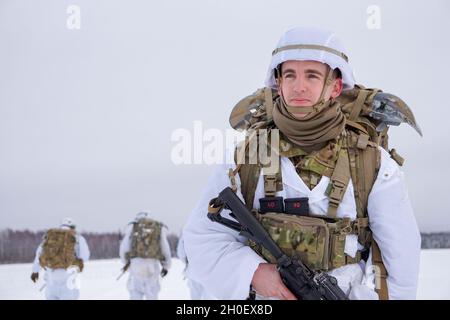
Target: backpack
{"x":146,"y":239}
{"x":58,"y":249}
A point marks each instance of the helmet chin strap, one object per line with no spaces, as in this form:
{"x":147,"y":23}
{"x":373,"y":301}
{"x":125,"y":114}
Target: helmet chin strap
{"x":318,"y":106}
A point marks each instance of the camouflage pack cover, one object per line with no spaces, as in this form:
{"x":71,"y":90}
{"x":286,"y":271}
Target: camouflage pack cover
{"x":146,"y":239}
{"x":58,"y":249}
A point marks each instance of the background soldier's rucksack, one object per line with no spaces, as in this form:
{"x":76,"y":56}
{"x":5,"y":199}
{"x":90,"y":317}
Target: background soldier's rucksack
{"x":58,"y":249}
{"x":368,"y":113}
{"x":146,"y":239}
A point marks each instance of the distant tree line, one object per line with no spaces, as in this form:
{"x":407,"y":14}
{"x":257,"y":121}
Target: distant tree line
{"x":19,"y":246}
{"x":436,"y":240}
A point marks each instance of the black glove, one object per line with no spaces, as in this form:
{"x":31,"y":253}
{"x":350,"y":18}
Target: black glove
{"x":163,"y":272}
{"x":80,"y":264}
{"x":34,"y":276}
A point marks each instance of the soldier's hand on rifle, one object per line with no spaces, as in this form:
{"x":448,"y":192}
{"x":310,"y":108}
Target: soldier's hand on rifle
{"x":126,"y":266}
{"x":124,"y":269}
{"x":163,"y":272}
{"x":34,"y":276}
{"x":267,"y":282}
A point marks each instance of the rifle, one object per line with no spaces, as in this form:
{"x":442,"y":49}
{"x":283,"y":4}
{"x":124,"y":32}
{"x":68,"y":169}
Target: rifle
{"x":302,"y":281}
{"x":124,"y":269}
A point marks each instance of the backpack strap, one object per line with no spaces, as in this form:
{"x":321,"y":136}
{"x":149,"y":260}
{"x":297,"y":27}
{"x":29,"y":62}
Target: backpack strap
{"x":249,"y":172}
{"x":338,"y":183}
{"x":270,"y":185}
{"x":249,"y":175}
{"x":358,"y":104}
{"x":360,"y":160}
{"x":365,"y":161}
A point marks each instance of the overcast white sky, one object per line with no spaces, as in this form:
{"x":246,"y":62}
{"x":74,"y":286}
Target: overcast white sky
{"x":86,"y":115}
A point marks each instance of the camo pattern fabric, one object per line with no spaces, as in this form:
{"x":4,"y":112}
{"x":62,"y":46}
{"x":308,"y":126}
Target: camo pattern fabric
{"x":145,"y":240}
{"x":58,"y":249}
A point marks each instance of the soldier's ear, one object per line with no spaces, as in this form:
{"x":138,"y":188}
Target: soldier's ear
{"x":337,"y":88}
{"x":278,"y":88}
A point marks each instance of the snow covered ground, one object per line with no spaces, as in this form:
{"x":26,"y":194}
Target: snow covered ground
{"x":434,"y":280}
{"x":98,"y":281}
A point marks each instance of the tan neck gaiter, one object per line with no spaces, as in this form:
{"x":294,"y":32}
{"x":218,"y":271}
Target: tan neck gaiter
{"x":313,"y":131}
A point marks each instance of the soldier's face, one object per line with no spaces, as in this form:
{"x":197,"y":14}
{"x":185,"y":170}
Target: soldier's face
{"x":301,"y":84}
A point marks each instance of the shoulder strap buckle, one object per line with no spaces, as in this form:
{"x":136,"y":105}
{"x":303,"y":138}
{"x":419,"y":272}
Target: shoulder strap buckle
{"x":270,"y":185}
{"x":335,"y":191}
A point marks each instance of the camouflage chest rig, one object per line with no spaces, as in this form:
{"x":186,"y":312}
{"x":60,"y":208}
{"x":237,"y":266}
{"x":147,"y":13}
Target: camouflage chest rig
{"x":320,"y":241}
